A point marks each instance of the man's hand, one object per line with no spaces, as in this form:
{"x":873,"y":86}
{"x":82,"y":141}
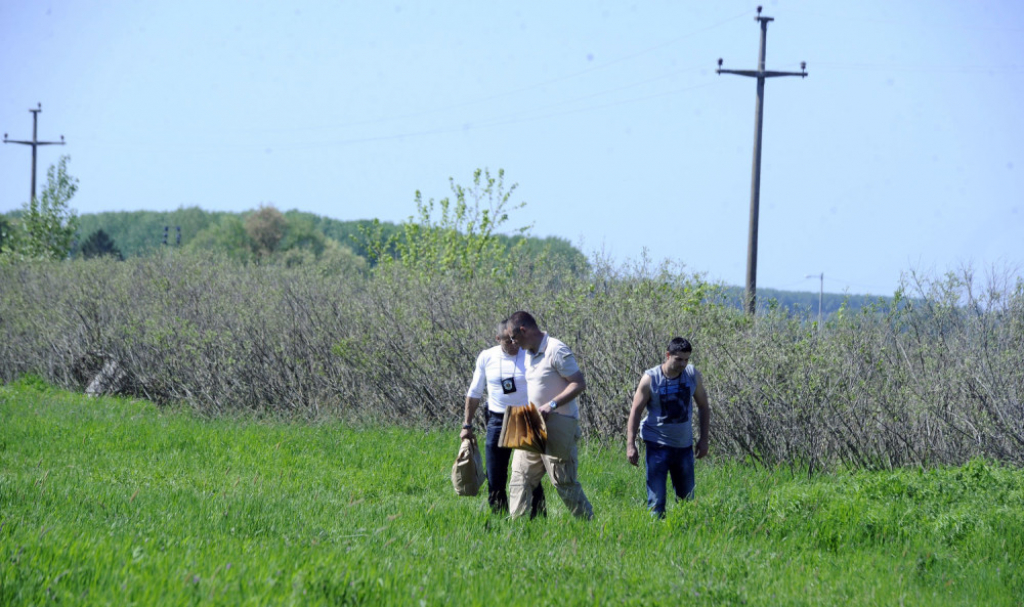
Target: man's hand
{"x":632,"y":454}
{"x":466,"y":433}
{"x":702,"y":447}
{"x":545,"y":410}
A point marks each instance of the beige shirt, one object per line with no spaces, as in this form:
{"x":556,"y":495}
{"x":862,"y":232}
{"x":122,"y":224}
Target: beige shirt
{"x":546,"y":373}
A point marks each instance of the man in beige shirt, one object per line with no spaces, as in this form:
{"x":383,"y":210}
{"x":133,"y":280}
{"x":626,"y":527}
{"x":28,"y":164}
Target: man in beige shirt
{"x":553,"y":381}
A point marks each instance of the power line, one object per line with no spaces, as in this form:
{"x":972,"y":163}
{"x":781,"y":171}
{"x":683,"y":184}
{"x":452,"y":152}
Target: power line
{"x":502,"y":120}
{"x":534,"y":85}
{"x":507,"y":120}
{"x":932,"y":26}
{"x":922,"y":68}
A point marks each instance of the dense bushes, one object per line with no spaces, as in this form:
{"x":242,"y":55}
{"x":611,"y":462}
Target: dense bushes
{"x":938,"y":378}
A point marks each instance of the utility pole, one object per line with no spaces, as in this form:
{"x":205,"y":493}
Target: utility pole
{"x":35,"y":143}
{"x":821,"y":293}
{"x":755,"y":183}
{"x":177,"y":239}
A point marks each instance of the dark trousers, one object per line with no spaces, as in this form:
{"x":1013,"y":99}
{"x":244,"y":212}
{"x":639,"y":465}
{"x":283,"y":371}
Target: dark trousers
{"x":496,"y":460}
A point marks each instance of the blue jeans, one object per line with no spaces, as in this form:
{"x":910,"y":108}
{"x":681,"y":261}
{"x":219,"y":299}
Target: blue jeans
{"x":496,"y":461}
{"x":663,"y":461}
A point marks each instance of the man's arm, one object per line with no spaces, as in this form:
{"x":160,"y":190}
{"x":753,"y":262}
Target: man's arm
{"x":471,"y":406}
{"x":476,"y":391}
{"x":704,"y":411}
{"x":564,"y":362}
{"x":577,"y":384}
{"x":643,"y":394}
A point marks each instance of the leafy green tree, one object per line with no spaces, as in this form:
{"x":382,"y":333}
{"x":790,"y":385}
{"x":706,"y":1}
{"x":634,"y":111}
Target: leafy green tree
{"x":306,"y":243}
{"x":265,"y":228}
{"x":5,"y":229}
{"x":551,"y":250}
{"x":301,"y":233}
{"x":350,"y":233}
{"x":99,"y":244}
{"x":338,"y":259}
{"x":227,"y":236}
{"x":47,"y":225}
{"x":453,"y":235}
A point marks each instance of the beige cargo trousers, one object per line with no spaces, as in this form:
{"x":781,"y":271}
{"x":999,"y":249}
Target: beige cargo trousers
{"x":560,"y":461}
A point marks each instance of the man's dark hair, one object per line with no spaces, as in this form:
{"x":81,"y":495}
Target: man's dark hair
{"x":522,"y":319}
{"x":678,"y":345}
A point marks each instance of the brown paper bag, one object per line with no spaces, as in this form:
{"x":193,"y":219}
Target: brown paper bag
{"x":563,"y":432}
{"x":468,"y":472}
{"x":523,"y":428}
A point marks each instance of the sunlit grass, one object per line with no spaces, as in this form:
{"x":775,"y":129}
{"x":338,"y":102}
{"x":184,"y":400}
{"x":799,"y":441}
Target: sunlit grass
{"x":111,"y":501}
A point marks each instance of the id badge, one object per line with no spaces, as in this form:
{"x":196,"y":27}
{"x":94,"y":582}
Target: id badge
{"x":508,"y":385}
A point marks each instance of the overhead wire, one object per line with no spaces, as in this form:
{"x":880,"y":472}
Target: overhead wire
{"x":500,"y":120}
{"x":504,"y":94}
{"x":958,"y":27}
{"x":923,"y":68}
{"x":489,"y":123}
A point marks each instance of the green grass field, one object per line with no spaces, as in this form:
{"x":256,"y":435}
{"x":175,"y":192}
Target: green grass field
{"x":118,"y":502}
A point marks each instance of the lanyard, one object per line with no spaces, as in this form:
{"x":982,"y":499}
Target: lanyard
{"x":501,"y":363}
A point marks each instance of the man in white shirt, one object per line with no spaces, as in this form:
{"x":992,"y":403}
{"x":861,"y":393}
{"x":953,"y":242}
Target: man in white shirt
{"x":553,"y":381}
{"x":501,"y":371}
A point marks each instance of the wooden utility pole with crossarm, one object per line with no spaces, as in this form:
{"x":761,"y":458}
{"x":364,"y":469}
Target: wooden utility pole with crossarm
{"x":35,"y":143}
{"x":755,"y":184}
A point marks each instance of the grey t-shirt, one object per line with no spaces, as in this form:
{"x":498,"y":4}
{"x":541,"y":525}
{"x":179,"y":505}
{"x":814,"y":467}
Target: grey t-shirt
{"x":670,"y":410}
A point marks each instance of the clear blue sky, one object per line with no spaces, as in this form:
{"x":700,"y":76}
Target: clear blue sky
{"x":901,"y":151}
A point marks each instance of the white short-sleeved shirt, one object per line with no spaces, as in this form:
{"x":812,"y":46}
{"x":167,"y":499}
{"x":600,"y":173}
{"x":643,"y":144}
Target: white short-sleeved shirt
{"x":493,"y":366}
{"x":546,"y":373}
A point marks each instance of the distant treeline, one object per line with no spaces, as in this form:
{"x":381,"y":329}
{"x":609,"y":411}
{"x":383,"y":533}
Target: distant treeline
{"x":295,"y":236}
{"x":140,"y":233}
{"x":805,"y":303}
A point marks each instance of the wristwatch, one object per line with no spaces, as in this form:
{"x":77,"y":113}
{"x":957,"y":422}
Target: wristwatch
{"x":552,"y":404}
{"x":467,"y":426}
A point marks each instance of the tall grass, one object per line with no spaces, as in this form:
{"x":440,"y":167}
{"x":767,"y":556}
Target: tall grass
{"x":934,"y":376}
{"x":112,"y":501}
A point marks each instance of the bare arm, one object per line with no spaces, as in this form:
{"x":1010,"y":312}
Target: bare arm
{"x":476,"y":386}
{"x":704,"y":411}
{"x":640,"y":400}
{"x":471,"y":406}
